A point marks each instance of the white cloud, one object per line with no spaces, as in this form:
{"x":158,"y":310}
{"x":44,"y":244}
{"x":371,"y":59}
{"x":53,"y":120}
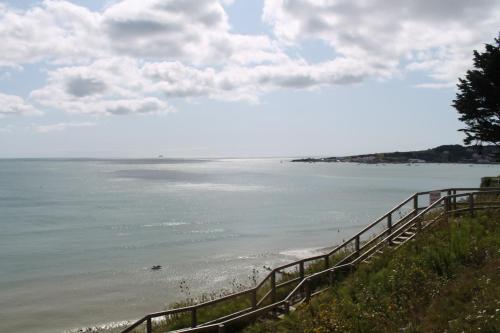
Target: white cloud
{"x":249,"y":83}
{"x":61,"y":126}
{"x":250,"y":50}
{"x":389,"y":32}
{"x":15,"y":105}
{"x":91,"y":88}
{"x":55,"y":30}
{"x":135,"y":55}
{"x":190,"y":31}
{"x":113,"y":86}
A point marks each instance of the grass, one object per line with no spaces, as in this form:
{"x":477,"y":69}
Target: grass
{"x":490,"y":181}
{"x":347,"y":304}
{"x":208,"y":313}
{"x":232,"y":305}
{"x":447,"y":280}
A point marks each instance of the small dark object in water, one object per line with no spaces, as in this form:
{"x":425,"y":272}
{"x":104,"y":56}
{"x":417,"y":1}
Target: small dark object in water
{"x":156,"y":267}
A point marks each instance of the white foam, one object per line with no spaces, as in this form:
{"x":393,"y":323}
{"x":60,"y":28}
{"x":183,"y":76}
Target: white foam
{"x":101,"y":327}
{"x":209,"y":231}
{"x":221,"y":187}
{"x":111,"y":327}
{"x":302,"y":253}
{"x":165,"y":224}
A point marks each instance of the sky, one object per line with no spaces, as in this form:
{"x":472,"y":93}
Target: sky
{"x":234,"y":78}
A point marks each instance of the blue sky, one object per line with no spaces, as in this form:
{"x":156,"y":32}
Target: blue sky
{"x":233,"y":78}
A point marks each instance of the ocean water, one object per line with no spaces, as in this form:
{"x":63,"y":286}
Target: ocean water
{"x":78,"y":237}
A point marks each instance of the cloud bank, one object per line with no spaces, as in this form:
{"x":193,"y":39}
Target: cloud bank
{"x":435,"y":36}
{"x":61,"y":126}
{"x":134,"y":57}
{"x":15,"y":105}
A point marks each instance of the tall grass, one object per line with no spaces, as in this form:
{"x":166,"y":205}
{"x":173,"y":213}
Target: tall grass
{"x":415,"y":289}
{"x":223,"y":308}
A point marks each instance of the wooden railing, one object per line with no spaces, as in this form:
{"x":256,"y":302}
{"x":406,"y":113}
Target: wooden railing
{"x":410,"y":213}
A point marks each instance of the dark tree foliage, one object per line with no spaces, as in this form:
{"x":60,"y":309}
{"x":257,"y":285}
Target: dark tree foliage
{"x":478,"y":99}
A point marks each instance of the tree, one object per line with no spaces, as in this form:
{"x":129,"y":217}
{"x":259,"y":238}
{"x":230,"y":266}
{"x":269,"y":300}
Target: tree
{"x":478,"y":98}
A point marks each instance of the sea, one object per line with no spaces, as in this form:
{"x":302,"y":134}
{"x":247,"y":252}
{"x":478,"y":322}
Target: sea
{"x":78,"y":237}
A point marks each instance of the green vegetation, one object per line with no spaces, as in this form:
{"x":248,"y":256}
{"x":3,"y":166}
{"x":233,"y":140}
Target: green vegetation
{"x":447,"y":280}
{"x":440,"y":154}
{"x":208,"y":313}
{"x":478,"y":97}
{"x":490,"y":182}
{"x":232,"y":305}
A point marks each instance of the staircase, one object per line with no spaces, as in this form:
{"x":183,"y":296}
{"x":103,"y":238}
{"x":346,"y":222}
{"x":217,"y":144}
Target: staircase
{"x":393,"y":244}
{"x":314,"y":275}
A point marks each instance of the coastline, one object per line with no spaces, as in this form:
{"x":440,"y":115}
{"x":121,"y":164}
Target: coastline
{"x":288,"y":255}
{"x":83,"y":261}
{"x":455,"y":154}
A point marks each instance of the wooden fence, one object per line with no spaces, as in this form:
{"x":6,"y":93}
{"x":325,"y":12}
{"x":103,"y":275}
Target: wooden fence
{"x":415,"y":213}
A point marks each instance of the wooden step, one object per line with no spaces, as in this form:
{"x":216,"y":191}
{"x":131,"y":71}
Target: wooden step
{"x":283,"y":315}
{"x":373,"y":256}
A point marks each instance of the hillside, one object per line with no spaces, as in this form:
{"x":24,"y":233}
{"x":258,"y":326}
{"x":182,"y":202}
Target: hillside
{"x":440,"y":154}
{"x":447,"y":280}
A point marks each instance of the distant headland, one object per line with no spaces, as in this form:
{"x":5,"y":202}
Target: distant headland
{"x":440,"y":154}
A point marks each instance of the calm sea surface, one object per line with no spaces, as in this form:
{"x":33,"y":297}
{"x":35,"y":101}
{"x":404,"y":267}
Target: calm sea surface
{"x":78,"y":237}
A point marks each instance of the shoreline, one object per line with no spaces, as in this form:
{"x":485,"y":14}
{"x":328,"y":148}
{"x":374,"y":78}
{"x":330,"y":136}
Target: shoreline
{"x":327,"y":160}
{"x":80,"y":281}
{"x":441,"y":154}
{"x":116,"y":326}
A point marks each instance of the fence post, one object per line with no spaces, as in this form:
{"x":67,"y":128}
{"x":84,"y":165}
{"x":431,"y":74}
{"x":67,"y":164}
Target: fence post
{"x":471,"y":204}
{"x":307,"y":288}
{"x":273,"y":286}
{"x":287,"y":307}
{"x":149,"y":325}
{"x":454,"y":200}
{"x":447,"y":207}
{"x":415,"y":203}
{"x":332,"y":277}
{"x":221,"y":329}
{"x":193,"y":317}
{"x":253,"y":295}
{"x":447,"y":204}
{"x":327,"y":262}
{"x":418,"y":223}
{"x":356,"y":245}
{"x":301,"y":273}
{"x":389,"y":226}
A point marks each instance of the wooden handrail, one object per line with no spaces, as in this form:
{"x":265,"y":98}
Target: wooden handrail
{"x":400,"y":229}
{"x":359,"y":255}
{"x":343,"y":260}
